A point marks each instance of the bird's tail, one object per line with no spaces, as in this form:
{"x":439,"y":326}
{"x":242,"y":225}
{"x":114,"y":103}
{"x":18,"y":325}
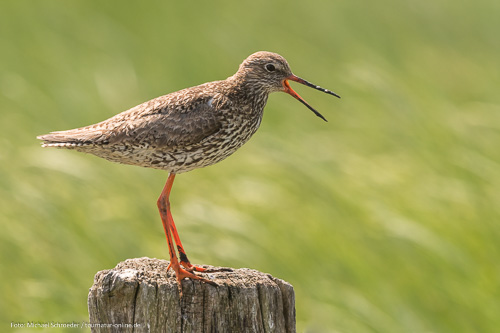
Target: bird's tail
{"x":71,"y":138}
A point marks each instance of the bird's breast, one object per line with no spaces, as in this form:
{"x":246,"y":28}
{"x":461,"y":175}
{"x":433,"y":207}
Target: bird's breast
{"x":234,"y":133}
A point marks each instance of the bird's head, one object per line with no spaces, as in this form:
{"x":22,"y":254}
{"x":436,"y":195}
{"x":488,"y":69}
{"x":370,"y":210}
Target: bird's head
{"x":268,"y":72}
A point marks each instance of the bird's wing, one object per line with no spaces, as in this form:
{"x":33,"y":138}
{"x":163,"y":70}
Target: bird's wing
{"x":177,"y":124}
{"x":167,"y":121}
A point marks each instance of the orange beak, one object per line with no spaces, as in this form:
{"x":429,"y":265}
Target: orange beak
{"x":290,"y":91}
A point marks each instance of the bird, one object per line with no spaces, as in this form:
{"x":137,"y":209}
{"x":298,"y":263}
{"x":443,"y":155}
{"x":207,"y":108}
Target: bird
{"x":185,"y":130}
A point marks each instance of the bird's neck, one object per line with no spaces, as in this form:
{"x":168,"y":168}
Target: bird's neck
{"x":248,"y":92}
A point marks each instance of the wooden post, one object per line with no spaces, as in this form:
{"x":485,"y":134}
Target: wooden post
{"x":139,"y":295}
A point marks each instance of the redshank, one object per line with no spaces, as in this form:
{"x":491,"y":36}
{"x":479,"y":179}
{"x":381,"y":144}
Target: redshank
{"x":185,"y":130}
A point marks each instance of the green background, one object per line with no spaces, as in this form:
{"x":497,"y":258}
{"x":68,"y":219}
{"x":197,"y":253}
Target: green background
{"x":384,"y":219}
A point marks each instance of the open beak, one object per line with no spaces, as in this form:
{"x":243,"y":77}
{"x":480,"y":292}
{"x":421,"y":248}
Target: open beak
{"x":290,"y":91}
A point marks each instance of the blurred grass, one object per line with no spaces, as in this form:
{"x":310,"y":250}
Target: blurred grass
{"x":385,"y":219}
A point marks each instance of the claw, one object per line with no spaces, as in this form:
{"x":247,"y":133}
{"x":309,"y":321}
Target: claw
{"x":181,"y":274}
{"x":191,"y":268}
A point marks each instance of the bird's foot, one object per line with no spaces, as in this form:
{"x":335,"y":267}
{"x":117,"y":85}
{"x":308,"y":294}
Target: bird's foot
{"x":185,"y":270}
{"x":191,"y":268}
{"x":181,"y":274}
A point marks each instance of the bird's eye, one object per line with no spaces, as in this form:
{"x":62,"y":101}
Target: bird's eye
{"x":270,"y":68}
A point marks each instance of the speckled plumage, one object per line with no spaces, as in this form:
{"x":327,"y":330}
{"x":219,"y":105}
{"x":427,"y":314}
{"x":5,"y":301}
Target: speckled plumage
{"x":187,"y":129}
{"x":178,"y":132}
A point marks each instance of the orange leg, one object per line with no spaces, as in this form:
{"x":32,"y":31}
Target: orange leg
{"x":169,"y":227}
{"x":184,"y":261}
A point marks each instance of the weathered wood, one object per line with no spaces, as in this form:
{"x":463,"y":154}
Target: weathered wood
{"x":139,"y":295}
